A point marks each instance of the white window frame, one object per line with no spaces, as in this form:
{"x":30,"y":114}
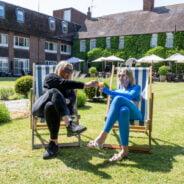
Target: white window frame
{"x":20,"y":15}
{"x":169,"y":40}
{"x":18,"y":40}
{"x":92,"y":44}
{"x":121,"y":42}
{"x":4,"y":64}
{"x":108,"y":42}
{"x":2,"y":9}
{"x":4,"y":40}
{"x":64,"y":26}
{"x":48,"y":46}
{"x":82,"y":45}
{"x":66,"y":49}
{"x":48,"y":62}
{"x":154,"y":41}
{"x":67,"y":15}
{"x":17,"y":66}
{"x":52,"y":24}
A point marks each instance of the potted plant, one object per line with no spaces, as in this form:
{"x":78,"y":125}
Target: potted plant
{"x":162,"y":71}
{"x":92,"y":71}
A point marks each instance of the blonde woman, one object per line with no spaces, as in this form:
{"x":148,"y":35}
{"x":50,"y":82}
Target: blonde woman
{"x":124,"y":107}
{"x":57,"y":103}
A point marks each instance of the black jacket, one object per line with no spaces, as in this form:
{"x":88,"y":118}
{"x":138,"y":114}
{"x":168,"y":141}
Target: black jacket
{"x":65,"y":86}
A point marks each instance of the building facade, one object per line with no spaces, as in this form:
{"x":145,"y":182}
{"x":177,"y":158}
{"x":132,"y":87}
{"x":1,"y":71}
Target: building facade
{"x":28,"y":37}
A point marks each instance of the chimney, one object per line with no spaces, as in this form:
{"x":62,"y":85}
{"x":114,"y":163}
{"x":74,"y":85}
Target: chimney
{"x":148,"y":5}
{"x":89,"y":13}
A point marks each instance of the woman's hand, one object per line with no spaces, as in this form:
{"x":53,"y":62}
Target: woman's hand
{"x":93,"y":83}
{"x":67,"y":100}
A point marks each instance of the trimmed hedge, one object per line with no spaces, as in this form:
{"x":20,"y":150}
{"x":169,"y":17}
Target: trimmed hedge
{"x":23,"y":85}
{"x":81,"y":98}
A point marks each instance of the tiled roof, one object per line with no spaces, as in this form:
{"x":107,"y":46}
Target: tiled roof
{"x":35,"y":24}
{"x":159,"y":20}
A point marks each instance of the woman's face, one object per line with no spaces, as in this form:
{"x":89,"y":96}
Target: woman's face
{"x":124,"y":80}
{"x":67,"y":72}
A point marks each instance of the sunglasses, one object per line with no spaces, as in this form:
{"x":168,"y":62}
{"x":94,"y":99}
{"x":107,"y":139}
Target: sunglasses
{"x":67,"y":70}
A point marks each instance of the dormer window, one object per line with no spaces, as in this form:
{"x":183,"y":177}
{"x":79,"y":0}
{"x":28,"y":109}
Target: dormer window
{"x":2,"y":12}
{"x":52,"y":24}
{"x":64,"y":27}
{"x":20,"y":15}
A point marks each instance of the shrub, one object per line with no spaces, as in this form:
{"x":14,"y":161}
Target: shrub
{"x":92,"y":70}
{"x":4,"y":113}
{"x":163,"y":70}
{"x":81,"y":98}
{"x":5,"y":93}
{"x":23,"y":85}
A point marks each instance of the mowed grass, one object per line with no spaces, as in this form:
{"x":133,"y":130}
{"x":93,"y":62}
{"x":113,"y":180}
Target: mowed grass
{"x":7,"y":81}
{"x":21,"y":165}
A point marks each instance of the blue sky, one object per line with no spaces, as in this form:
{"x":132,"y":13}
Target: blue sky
{"x":100,"y":7}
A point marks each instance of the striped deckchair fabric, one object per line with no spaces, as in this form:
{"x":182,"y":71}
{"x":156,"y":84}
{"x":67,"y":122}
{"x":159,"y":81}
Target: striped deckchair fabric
{"x":39,"y":73}
{"x":141,"y":76}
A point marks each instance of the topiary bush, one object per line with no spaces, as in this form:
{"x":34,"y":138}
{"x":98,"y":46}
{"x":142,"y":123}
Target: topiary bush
{"x":23,"y":84}
{"x":5,"y":93}
{"x":4,"y":114}
{"x":81,"y":98}
{"x":163,"y":70}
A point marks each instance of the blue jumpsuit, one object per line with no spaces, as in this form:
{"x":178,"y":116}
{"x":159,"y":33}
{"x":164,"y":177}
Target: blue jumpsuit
{"x":123,"y":110}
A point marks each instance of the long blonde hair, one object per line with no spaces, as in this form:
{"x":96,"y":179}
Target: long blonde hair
{"x":60,"y":67}
{"x":126,"y":71}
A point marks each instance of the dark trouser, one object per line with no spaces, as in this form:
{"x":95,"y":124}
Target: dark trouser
{"x":54,"y":109}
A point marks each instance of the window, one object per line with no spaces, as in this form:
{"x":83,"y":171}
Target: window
{"x":51,"y":47}
{"x":50,"y":62}
{"x":83,"y":46}
{"x":154,"y":40}
{"x":4,"y":64}
{"x":67,"y":15}
{"x":2,"y":12}
{"x":169,"y":40}
{"x":108,"y":43}
{"x":20,"y":65}
{"x":65,"y":49}
{"x":21,"y":42}
{"x":121,"y":42}
{"x":52,"y":24}
{"x":20,"y":15}
{"x":92,"y":44}
{"x":64,"y":27}
{"x":3,"y":40}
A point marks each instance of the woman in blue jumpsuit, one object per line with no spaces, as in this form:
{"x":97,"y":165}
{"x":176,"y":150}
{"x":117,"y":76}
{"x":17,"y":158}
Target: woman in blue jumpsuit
{"x":124,"y":107}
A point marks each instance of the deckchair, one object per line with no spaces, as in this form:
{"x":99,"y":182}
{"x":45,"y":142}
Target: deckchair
{"x":143,"y":77}
{"x":36,"y":123}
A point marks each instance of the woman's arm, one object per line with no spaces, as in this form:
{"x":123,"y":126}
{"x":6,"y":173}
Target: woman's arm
{"x":130,"y":95}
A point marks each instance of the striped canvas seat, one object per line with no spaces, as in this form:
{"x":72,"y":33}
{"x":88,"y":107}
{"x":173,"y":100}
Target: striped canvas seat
{"x":141,"y":76}
{"x":39,"y":73}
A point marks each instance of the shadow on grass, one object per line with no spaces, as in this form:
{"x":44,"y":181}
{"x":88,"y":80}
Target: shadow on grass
{"x":160,"y":160}
{"x":86,"y":107}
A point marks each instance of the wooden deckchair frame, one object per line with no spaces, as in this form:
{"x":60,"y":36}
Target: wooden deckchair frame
{"x":140,"y":129}
{"x":36,"y":126}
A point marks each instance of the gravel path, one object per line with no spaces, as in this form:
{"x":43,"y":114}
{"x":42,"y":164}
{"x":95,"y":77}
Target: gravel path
{"x":17,"y":108}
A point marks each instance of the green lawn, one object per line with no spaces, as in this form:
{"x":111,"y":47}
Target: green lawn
{"x":21,"y":165}
{"x":7,"y":81}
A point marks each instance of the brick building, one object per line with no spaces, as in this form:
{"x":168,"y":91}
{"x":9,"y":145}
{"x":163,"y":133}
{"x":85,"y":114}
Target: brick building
{"x":28,"y":37}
